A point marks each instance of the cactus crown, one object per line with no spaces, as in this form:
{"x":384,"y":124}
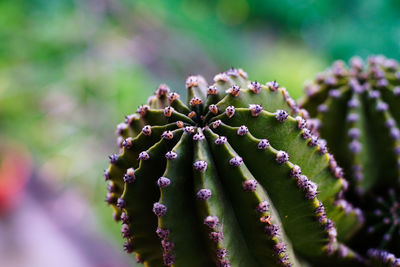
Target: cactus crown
{"x":234,"y":177}
{"x":357,"y":111}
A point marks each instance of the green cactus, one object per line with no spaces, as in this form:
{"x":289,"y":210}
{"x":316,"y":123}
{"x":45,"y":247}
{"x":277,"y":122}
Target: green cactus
{"x":356,"y":109}
{"x":231,"y":178}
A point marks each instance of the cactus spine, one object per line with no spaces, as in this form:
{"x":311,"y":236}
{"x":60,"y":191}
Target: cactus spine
{"x":234,"y":177}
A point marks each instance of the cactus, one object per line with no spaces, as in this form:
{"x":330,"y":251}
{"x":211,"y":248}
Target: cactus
{"x":232,"y":177}
{"x":356,"y":109}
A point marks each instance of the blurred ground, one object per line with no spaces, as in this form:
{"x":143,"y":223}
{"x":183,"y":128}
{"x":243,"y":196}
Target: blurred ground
{"x":71,"y":69}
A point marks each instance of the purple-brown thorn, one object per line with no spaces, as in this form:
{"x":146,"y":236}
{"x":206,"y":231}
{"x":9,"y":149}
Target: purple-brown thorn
{"x":306,"y":133}
{"x":354,"y":133}
{"x":173,"y":96}
{"x":281,"y":115}
{"x":271,"y":230}
{"x":382,"y":106}
{"x":168,"y":135}
{"x":163,"y":182}
{"x":216,"y":124}
{"x":395,"y":133}
{"x":262,"y":207}
{"x":195,"y":101}
{"x":243,"y":74}
{"x":204,"y":194}
{"x":250,"y":185}
{"x":322,"y":146}
{"x":162,"y":233}
{"x":234,"y":90}
{"x":121,"y":203}
{"x":374,"y":94}
{"x":382,"y":83}
{"x":221,"y":253}
{"x":127,"y":143}
{"x":113,"y":158}
{"x":221,"y":77}
{"x":168,"y":111}
{"x":168,"y":259}
{"x":159,"y":209}
{"x":143,"y":155}
{"x":199,"y":137}
{"x":129,"y":119}
{"x":128,"y":246}
{"x":255,"y":109}
{"x":146,"y":130}
{"x":313,"y":140}
{"x":192,"y":81}
{"x":129,"y":176}
{"x":243,"y":130}
{"x":232,"y":72}
{"x":107,"y":175}
{"x":213,"y":109}
{"x":167,"y":245}
{"x":330,"y":228}
{"x":263,"y":144}
{"x":296,"y":171}
{"x":189,"y":129}
{"x":335,"y":93}
{"x":255,"y":87}
{"x":200,"y":165}
{"x":352,"y":117}
{"x":338,"y":172}
{"x":110,"y":198}
{"x":220,"y":140}
{"x":142,"y":110}
{"x":179,"y":124}
{"x":301,"y":123}
{"x":236,"y":161}
{"x":121,"y":127}
{"x":111,"y":187}
{"x":330,"y":81}
{"x":355,"y":147}
{"x":273,"y":86}
{"x":192,"y":114}
{"x":353,"y":103}
{"x":280,"y":248}
{"x":211,"y":221}
{"x":310,"y":188}
{"x":171,"y":155}
{"x":390,"y":123}
{"x":396,"y":91}
{"x":223,"y":263}
{"x":212,"y":90}
{"x":230,"y":111}
{"x":322,"y":108}
{"x":216,"y":236}
{"x":124,"y":218}
{"x":125,"y":231}
{"x":162,"y":90}
{"x":356,"y":63}
{"x":282,"y":157}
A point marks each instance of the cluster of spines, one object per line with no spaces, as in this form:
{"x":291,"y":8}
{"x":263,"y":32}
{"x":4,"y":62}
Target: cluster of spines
{"x":380,"y":257}
{"x":173,"y":105}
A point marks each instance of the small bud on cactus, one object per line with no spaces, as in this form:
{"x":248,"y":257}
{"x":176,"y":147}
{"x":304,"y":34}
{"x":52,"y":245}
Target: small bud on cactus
{"x":209,"y":182}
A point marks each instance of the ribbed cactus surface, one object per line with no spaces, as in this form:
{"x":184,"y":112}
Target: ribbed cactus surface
{"x":232,"y":177}
{"x":357,"y":110}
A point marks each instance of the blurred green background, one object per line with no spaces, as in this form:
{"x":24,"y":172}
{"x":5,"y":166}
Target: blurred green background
{"x":71,"y":69}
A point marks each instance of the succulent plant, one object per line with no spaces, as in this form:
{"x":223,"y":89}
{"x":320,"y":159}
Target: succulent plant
{"x":231,"y":178}
{"x":356,"y":109}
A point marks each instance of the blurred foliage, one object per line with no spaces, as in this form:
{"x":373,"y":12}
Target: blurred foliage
{"x":71,"y":69}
